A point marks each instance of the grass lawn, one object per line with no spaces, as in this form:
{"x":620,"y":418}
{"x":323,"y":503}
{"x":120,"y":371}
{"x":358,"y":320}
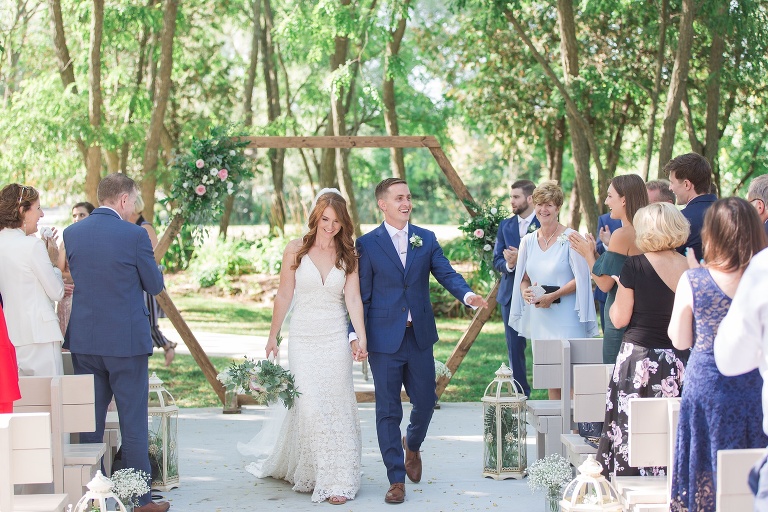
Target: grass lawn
{"x":188,"y":385}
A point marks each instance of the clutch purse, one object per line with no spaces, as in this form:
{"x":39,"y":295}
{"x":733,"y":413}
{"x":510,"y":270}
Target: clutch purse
{"x":550,"y":289}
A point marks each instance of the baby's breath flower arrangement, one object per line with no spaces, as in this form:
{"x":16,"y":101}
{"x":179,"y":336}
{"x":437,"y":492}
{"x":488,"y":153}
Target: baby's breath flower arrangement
{"x":480,"y":233}
{"x":129,"y":484}
{"x":441,"y":370}
{"x":550,"y":474}
{"x":209,"y":172}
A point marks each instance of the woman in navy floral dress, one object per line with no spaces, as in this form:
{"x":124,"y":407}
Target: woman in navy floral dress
{"x":716,"y":412}
{"x":647,"y":365}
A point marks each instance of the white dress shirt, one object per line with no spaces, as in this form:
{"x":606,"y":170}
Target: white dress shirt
{"x":741,"y":344}
{"x":524,"y":223}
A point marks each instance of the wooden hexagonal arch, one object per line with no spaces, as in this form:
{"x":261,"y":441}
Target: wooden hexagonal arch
{"x":478,"y":320}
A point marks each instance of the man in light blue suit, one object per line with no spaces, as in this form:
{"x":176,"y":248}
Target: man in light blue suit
{"x":112,"y":263}
{"x":508,"y":237}
{"x":396,"y":260}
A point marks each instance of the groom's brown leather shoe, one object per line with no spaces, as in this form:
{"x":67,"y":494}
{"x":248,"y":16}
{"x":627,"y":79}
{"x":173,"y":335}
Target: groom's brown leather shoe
{"x":154,"y":506}
{"x":412,"y":463}
{"x":395,"y":494}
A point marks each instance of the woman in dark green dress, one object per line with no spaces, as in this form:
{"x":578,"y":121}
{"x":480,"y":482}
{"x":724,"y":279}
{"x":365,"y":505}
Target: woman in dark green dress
{"x":626,"y":195}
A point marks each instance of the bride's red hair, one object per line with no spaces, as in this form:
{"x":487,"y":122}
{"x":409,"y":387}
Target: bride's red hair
{"x":346,"y":256}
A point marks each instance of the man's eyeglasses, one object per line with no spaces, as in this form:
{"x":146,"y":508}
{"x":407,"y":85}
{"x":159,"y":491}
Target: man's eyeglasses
{"x":752,"y":201}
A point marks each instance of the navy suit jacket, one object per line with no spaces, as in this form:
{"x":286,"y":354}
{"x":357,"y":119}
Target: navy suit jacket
{"x":507,"y":235}
{"x":389,"y":291}
{"x":613,"y":224}
{"x":694,"y":211}
{"x":112,"y":263}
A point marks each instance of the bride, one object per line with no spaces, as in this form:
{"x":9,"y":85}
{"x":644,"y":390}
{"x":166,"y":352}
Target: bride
{"x":313,"y":450}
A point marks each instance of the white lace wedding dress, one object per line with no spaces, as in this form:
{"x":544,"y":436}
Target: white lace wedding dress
{"x":318,"y":447}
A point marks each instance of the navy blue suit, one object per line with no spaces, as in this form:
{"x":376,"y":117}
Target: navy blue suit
{"x":112,"y":263}
{"x":399,"y":355}
{"x":613,"y":224}
{"x":694,"y":211}
{"x":509,"y":235}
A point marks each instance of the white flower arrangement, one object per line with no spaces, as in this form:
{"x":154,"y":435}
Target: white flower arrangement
{"x":532,"y":227}
{"x":549,"y":474}
{"x":416,"y":241}
{"x":563,"y":239}
{"x":129,"y":484}
{"x":441,"y":370}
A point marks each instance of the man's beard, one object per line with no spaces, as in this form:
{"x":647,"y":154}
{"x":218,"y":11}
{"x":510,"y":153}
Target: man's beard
{"x":520,"y":210}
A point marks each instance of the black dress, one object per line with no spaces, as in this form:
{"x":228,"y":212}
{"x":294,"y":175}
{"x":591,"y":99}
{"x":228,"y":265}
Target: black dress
{"x":647,"y":364}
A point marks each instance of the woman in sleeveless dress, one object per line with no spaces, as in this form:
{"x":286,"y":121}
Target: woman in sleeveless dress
{"x":647,"y":365}
{"x":545,"y":258}
{"x":626,"y":194}
{"x":716,"y":412}
{"x":64,"y":307}
{"x":319,"y":445}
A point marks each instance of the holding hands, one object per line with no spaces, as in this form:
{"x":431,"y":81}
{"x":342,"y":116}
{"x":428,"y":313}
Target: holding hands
{"x":359,"y":350}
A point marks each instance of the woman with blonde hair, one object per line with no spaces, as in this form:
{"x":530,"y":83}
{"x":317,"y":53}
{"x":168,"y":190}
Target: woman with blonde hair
{"x":647,"y":364}
{"x":552,"y":295}
{"x":318,"y":448}
{"x":731,"y":235}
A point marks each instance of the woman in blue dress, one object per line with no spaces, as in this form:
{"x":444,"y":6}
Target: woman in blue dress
{"x":552,"y":295}
{"x":716,"y":412}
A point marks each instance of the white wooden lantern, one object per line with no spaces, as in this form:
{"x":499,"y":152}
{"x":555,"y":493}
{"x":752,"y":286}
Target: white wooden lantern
{"x":504,"y":427}
{"x":99,"y":491}
{"x":163,"y":432}
{"x":590,"y":491}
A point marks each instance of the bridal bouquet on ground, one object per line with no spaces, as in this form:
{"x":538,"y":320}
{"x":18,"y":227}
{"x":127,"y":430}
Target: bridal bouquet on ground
{"x":266,"y":381}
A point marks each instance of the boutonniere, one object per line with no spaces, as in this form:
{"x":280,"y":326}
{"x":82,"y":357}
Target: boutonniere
{"x":533,"y":227}
{"x":415,"y":241}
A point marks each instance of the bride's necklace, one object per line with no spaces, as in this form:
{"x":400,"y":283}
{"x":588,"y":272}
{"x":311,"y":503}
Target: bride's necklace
{"x":547,"y":239}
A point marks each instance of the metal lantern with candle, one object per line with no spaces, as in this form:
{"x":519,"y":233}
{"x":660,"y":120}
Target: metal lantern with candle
{"x":504,"y":427}
{"x":163,"y":432}
{"x":590,"y":491}
{"x":98,"y":496}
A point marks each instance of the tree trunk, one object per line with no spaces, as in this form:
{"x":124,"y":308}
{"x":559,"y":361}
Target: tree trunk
{"x":580,"y":152}
{"x":716,"y":57}
{"x":66,"y":70}
{"x":555,"y":144}
{"x":162,"y":92}
{"x":93,"y":160}
{"x":276,"y":156}
{"x":614,"y":152}
{"x":575,"y":217}
{"x":677,"y":83}
{"x":651,"y":135}
{"x":328,"y":176}
{"x":253,"y":65}
{"x":397,"y":163}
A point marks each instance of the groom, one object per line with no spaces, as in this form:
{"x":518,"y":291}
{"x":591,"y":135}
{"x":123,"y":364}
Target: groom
{"x":395,"y":262}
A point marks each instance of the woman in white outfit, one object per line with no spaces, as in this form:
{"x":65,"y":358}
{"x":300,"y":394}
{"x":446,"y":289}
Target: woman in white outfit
{"x":318,"y":448}
{"x":29,"y":282}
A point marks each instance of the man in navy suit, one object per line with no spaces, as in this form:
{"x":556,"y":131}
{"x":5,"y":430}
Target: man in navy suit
{"x":690,"y":178}
{"x":508,"y":237}
{"x":112,"y":263}
{"x":396,"y":260}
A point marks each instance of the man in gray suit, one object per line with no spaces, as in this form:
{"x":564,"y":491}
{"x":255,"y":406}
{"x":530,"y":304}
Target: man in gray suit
{"x":112,"y":264}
